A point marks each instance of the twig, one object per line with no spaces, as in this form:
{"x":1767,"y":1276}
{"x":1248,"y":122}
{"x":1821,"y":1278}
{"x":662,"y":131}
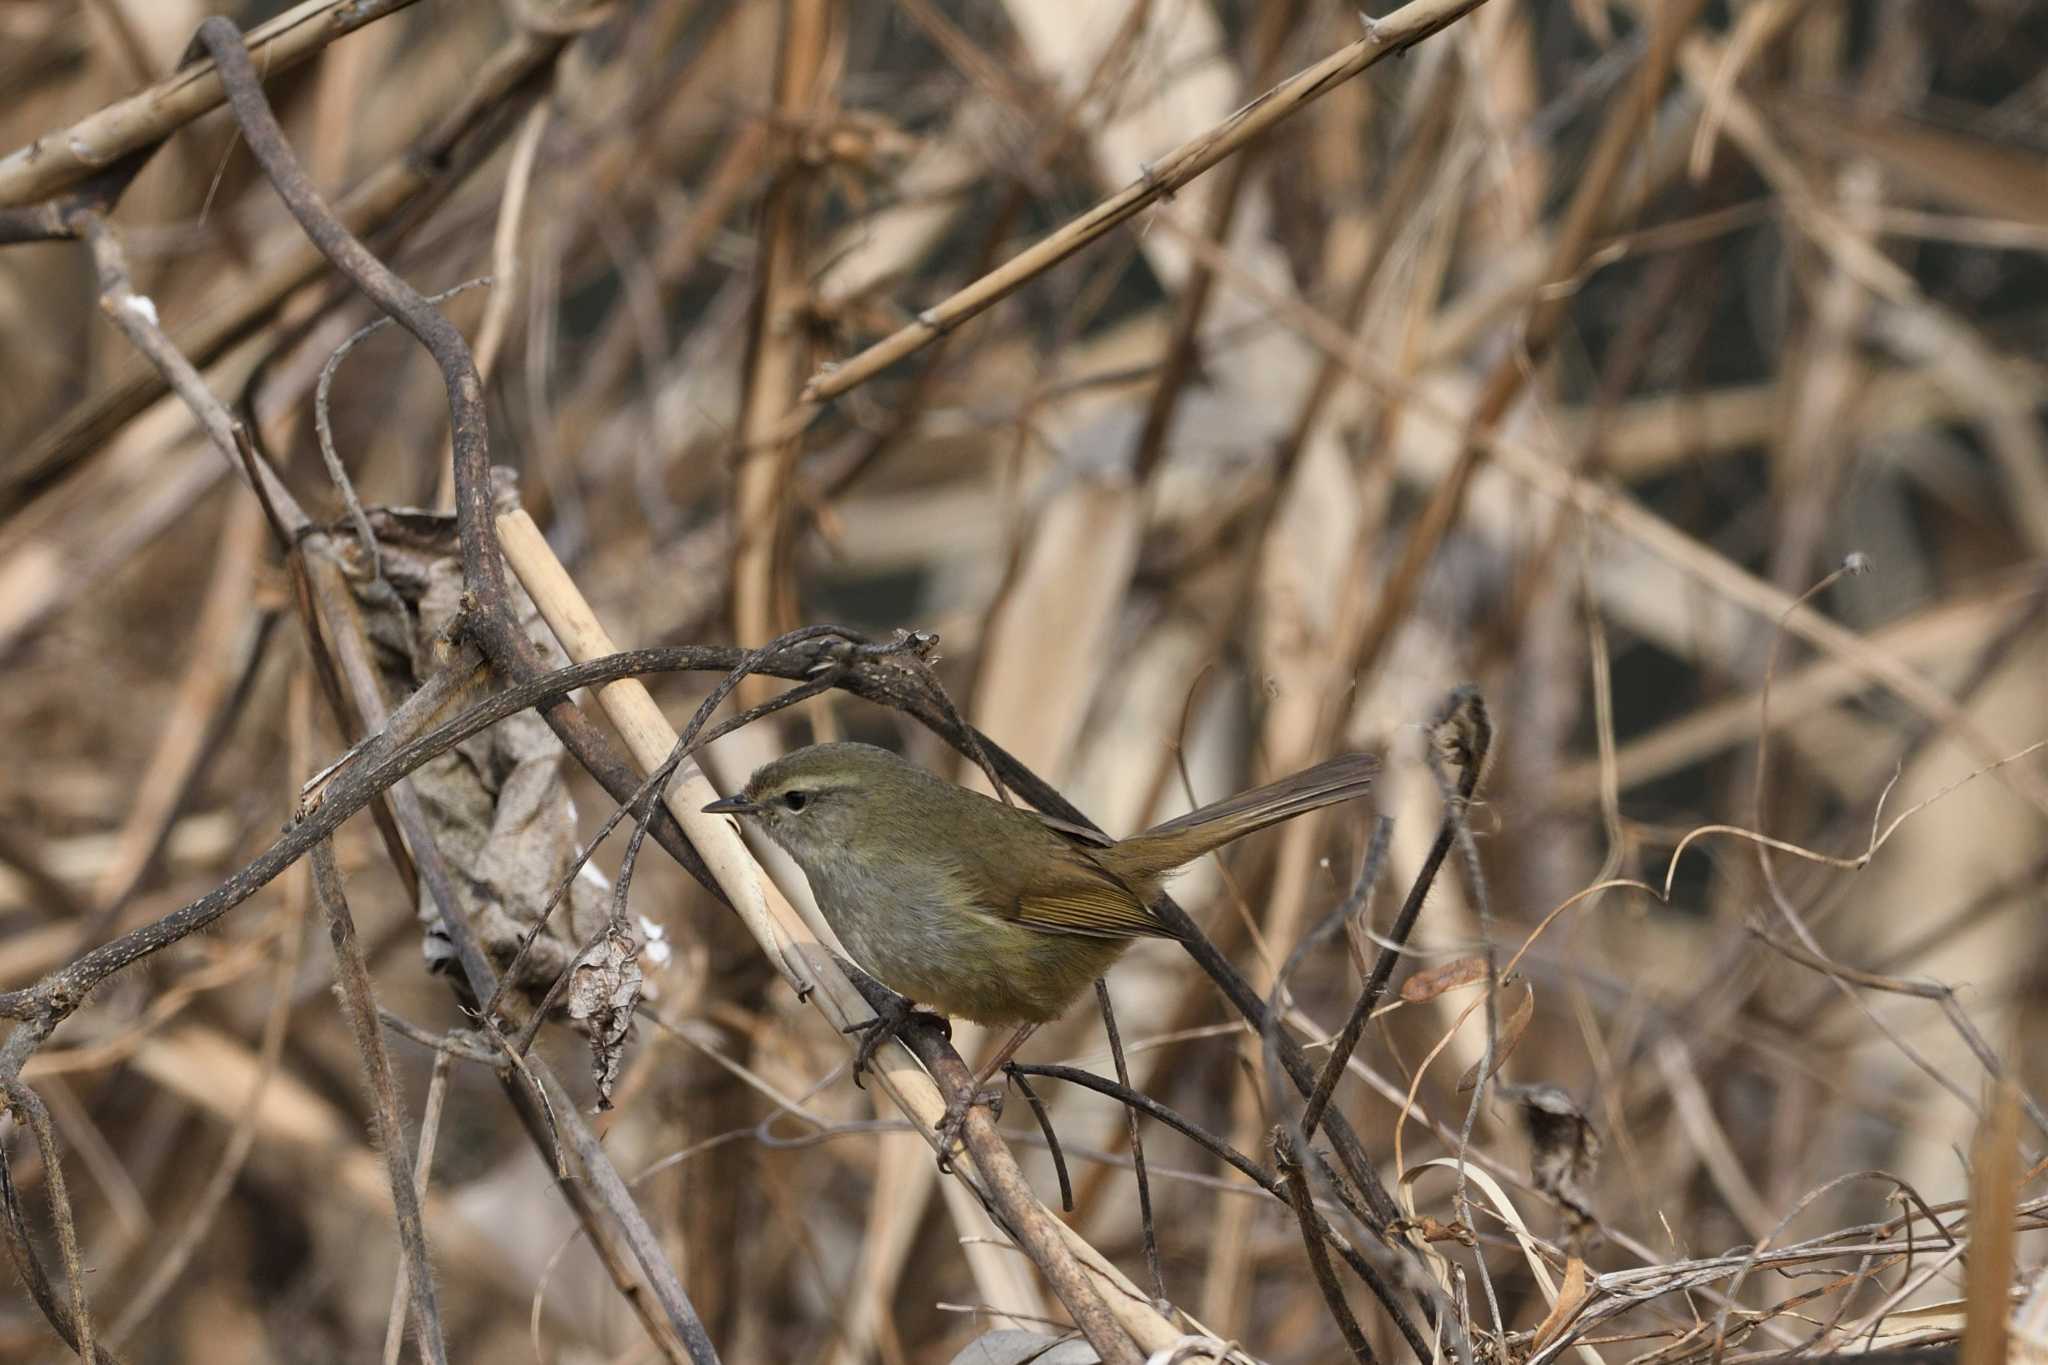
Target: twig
{"x":422,"y":1166}
{"x":323,"y":425}
{"x":1139,"y":1102}
{"x":360,"y":1005}
{"x":1123,"y":1076}
{"x":1296,"y":1183}
{"x":64,"y":157}
{"x":482,"y":571}
{"x":1463,"y":735}
{"x":527,"y":1085}
{"x":1468,"y":710}
{"x":1390,"y":35}
{"x":1380,"y":1212}
{"x":454,"y":146}
{"x":1355,"y":906}
{"x":136,"y":316}
{"x":1010,"y":1198}
{"x":1052,"y":1144}
{"x":73,"y":1322}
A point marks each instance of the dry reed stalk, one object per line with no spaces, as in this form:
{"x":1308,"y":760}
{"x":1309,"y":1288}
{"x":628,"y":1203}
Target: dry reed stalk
{"x":1994,"y":1196}
{"x":779,"y":353}
{"x":61,"y":159}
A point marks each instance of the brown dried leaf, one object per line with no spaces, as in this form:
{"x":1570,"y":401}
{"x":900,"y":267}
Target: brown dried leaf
{"x":1431,"y":982}
{"x":1430,"y":1229}
{"x":1511,"y":1031}
{"x":1570,"y":1295}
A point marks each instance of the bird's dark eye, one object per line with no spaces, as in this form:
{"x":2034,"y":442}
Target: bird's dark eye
{"x":795,"y":800}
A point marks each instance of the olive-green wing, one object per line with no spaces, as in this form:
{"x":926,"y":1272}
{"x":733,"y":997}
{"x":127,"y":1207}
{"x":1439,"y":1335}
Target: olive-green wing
{"x":1049,"y":877}
{"x":1091,"y":901}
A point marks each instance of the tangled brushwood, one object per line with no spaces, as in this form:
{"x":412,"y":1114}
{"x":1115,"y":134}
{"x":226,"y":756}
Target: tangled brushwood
{"x":448,"y":447}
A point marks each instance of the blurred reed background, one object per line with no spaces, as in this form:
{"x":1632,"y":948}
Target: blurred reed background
{"x":1558,"y":357}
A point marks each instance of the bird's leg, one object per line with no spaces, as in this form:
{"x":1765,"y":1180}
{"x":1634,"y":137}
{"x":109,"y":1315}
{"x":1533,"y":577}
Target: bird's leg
{"x":955,"y":1117}
{"x":886,"y":1024}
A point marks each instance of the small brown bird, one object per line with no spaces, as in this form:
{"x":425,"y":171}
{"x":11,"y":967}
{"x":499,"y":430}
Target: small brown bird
{"x":985,"y":910}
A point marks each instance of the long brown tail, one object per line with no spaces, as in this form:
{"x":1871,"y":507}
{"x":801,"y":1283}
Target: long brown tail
{"x":1185,"y":838}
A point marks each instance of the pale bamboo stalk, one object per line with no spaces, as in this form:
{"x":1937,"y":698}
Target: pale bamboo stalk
{"x":62,"y":158}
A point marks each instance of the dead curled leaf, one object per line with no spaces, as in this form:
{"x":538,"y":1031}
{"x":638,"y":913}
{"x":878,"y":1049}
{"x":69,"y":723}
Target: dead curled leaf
{"x":604,"y":988}
{"x":1511,"y":1030}
{"x":1564,"y":1151}
{"x":1429,"y":1229}
{"x":1429,"y":983}
{"x":498,"y":804}
{"x":1570,"y":1295}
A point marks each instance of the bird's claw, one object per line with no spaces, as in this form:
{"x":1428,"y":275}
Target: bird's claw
{"x":954,"y":1120}
{"x":880,"y":1029}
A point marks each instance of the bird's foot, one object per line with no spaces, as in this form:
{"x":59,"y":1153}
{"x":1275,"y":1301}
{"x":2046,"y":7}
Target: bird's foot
{"x":954,"y":1121}
{"x":884,"y":1026}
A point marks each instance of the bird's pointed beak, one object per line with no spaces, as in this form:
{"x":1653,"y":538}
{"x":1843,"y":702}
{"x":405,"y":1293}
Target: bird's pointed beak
{"x":732,"y":805}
